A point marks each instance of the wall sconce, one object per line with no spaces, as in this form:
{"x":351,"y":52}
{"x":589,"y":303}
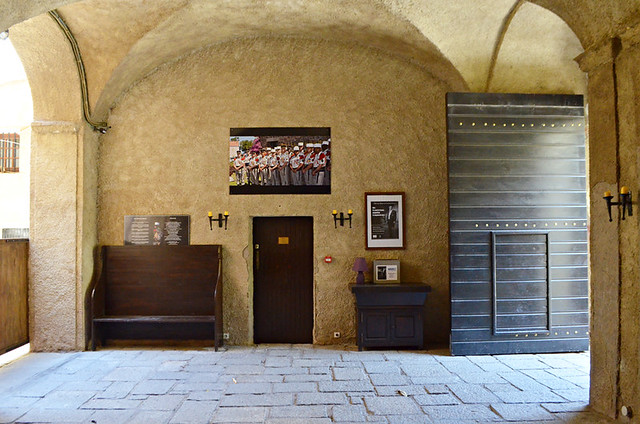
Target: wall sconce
{"x":220,"y":219}
{"x":625,"y":202}
{"x":342,"y":219}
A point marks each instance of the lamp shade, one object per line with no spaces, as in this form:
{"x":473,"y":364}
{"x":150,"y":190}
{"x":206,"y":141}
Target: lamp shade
{"x":360,"y":265}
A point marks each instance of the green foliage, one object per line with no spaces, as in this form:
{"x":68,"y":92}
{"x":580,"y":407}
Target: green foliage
{"x":245,"y":145}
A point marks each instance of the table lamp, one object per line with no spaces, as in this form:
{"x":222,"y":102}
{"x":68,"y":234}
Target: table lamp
{"x":360,"y":265}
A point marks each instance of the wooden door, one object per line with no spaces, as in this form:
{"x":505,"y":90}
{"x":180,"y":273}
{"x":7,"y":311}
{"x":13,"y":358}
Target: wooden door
{"x":14,"y":310}
{"x":283,"y":280}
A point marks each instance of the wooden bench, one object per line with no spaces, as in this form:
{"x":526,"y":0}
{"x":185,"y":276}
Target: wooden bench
{"x":157,"y":293}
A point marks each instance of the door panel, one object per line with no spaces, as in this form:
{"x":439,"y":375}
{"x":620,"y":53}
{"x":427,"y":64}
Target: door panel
{"x":517,"y":223}
{"x":283,"y":280}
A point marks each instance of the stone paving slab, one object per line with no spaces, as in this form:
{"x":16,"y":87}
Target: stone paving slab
{"x":522,"y":413}
{"x":294,"y":384}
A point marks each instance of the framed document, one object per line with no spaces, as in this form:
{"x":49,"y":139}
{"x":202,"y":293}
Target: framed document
{"x":156,"y":230}
{"x":384,"y":214}
{"x":386,"y":271}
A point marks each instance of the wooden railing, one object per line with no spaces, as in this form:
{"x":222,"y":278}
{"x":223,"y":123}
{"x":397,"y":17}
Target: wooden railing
{"x":14,"y":313}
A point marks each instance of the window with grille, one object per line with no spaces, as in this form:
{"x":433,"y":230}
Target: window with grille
{"x":9,"y":152}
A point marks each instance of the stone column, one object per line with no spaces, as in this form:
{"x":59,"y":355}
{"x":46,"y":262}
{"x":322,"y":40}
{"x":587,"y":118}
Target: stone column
{"x":603,"y":235}
{"x":63,"y":188}
{"x":54,"y":237}
{"x":628,"y":91}
{"x":614,"y":155}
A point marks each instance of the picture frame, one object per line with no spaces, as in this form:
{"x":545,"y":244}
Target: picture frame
{"x":386,"y":271}
{"x":279,"y":160}
{"x":384,"y":214}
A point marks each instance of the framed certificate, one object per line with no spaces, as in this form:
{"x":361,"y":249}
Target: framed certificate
{"x":386,"y":271}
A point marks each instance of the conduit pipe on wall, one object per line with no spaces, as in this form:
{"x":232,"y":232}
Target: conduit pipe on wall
{"x":503,"y":32}
{"x":101,"y":127}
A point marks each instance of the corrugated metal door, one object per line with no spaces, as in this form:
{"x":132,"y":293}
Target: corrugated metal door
{"x":518,"y":223}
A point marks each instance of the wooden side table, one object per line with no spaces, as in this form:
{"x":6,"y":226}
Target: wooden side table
{"x":390,"y":315}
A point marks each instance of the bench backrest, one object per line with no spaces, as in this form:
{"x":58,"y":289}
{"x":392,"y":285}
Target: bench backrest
{"x":160,"y":280}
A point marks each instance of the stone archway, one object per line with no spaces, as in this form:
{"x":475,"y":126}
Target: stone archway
{"x":64,"y":143}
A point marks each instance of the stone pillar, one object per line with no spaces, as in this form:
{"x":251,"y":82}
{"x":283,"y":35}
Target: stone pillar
{"x":603,"y":235}
{"x":63,"y":188}
{"x":613,"y":162}
{"x":53,"y":292}
{"x":628,"y":86}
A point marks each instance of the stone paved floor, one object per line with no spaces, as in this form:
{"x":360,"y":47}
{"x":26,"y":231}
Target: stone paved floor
{"x":294,"y":384}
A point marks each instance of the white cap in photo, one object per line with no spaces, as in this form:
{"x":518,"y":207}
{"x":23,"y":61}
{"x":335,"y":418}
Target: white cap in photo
{"x":318,"y":145}
{"x":309,"y":144}
{"x":296,"y":148}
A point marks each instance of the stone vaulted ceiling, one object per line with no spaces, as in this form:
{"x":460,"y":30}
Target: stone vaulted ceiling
{"x":124,"y":40}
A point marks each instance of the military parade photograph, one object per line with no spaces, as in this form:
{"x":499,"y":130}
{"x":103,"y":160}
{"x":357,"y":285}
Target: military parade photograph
{"x":280,"y":161}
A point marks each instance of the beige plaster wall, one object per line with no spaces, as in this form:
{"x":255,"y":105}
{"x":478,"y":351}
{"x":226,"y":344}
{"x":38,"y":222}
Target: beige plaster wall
{"x":167,"y":153}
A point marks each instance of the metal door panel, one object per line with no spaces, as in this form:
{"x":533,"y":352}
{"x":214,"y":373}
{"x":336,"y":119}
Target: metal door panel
{"x":518,"y":223}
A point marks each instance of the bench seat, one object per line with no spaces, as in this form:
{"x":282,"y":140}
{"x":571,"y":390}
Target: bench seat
{"x":157,"y":292}
{"x":166,"y":318}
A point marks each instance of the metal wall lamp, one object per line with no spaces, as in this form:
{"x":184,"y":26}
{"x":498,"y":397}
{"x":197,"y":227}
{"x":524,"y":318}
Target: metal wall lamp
{"x":625,"y":202}
{"x":220,"y":219}
{"x":341,"y":218}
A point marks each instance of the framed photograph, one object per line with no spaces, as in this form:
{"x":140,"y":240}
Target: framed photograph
{"x":280,"y":160}
{"x":386,"y":271}
{"x":384,"y":213}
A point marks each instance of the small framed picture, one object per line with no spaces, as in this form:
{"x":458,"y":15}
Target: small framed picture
{"x":386,"y":271}
{"x":384,"y":214}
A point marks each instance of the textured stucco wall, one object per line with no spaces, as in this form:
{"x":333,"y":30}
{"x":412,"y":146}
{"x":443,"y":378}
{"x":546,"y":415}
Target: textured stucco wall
{"x":167,"y":153}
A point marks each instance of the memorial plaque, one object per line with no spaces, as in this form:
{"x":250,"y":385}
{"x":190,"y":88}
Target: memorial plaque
{"x":156,"y":229}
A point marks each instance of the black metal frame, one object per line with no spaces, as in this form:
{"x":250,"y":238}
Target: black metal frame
{"x":494,"y":282}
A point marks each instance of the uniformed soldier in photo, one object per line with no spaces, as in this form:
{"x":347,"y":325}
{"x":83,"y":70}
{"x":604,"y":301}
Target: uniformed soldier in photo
{"x":263,"y":168}
{"x":295,"y":164}
{"x":238,"y":166}
{"x":284,"y":166}
{"x":317,"y":175}
{"x":253,"y":168}
{"x":246,"y":157}
{"x":274,"y":175}
{"x":308,"y":165}
{"x":326,"y":150}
